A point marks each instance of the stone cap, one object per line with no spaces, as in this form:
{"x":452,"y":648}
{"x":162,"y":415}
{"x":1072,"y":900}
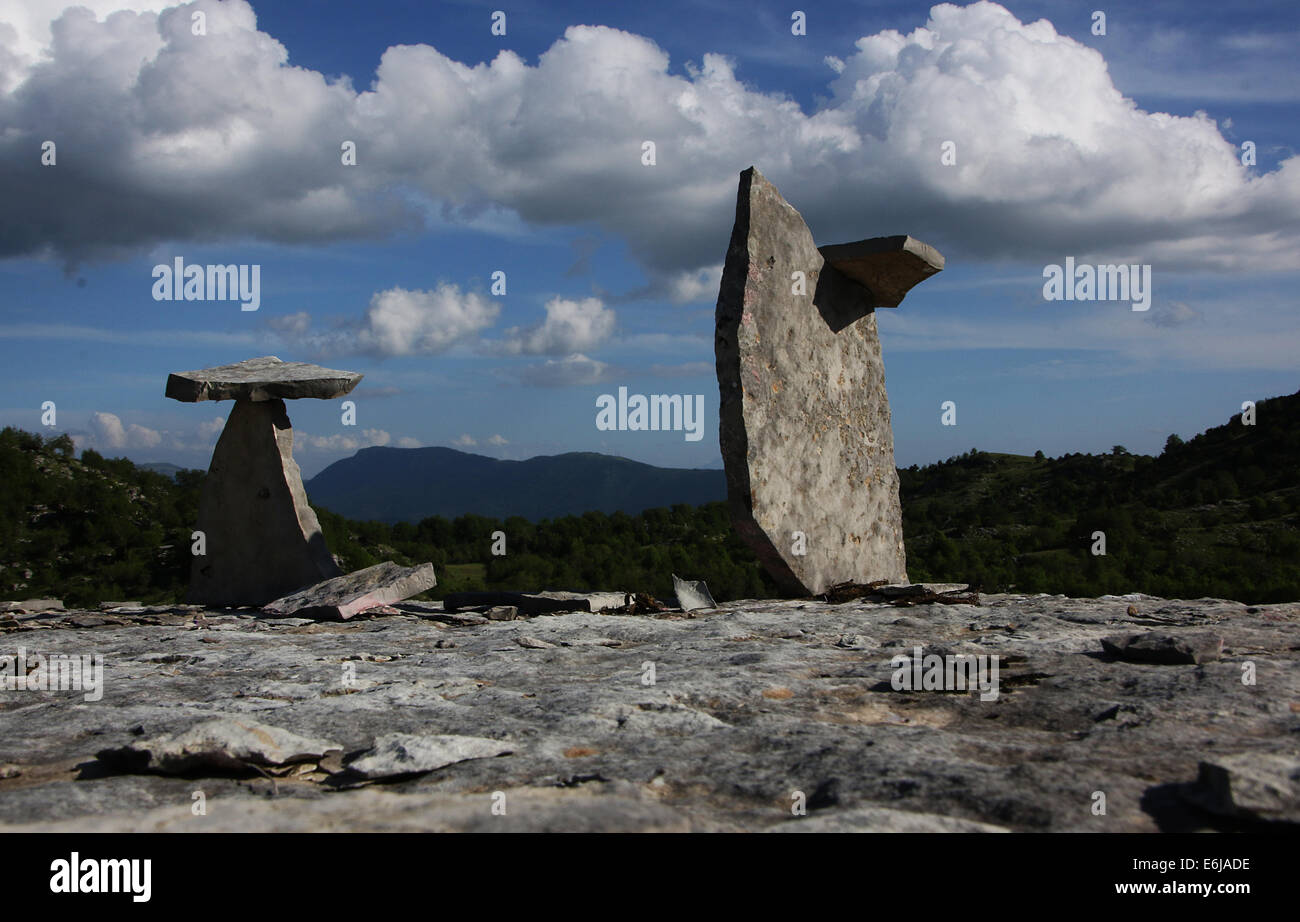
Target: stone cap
{"x":888,"y":266}
{"x":264,"y":378}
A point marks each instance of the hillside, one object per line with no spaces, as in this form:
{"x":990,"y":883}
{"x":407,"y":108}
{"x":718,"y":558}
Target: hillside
{"x":410,"y":484}
{"x":1216,"y":516}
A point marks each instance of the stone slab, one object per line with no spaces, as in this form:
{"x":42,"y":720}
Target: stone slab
{"x":888,"y":267}
{"x":262,"y":539}
{"x":397,"y":754}
{"x":264,"y":378}
{"x":343,"y":597}
{"x":538,"y":603}
{"x":1161,"y":648}
{"x":804,"y":421}
{"x":33,"y":606}
{"x":223,"y":744}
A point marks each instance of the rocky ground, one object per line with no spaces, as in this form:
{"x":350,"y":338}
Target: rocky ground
{"x":432,"y":720}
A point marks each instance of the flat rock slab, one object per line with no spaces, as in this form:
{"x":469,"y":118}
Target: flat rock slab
{"x":32,"y":606}
{"x":343,"y":597}
{"x":221,"y":744}
{"x":265,"y":378}
{"x":396,"y":754}
{"x":1161,"y":648}
{"x":888,"y":267}
{"x":804,"y":421}
{"x":750,"y":702}
{"x":537,"y":603}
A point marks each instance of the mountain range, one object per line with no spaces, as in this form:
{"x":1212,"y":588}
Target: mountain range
{"x":410,"y":484}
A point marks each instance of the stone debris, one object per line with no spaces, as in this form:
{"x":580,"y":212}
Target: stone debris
{"x":903,"y":596}
{"x":692,"y":595}
{"x":32,"y":606}
{"x":537,"y":603}
{"x":804,"y":421}
{"x":703,"y":722}
{"x":223,"y":744}
{"x":1163,"y":648}
{"x":1253,"y":785}
{"x":260,"y":379}
{"x":533,"y":643}
{"x":398,"y":754}
{"x":346,"y":596}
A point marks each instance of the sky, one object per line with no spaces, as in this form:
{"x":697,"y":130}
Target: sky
{"x":1011,"y":137}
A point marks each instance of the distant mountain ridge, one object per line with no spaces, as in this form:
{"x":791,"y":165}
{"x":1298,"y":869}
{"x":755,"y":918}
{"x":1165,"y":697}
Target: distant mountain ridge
{"x":409,"y":484}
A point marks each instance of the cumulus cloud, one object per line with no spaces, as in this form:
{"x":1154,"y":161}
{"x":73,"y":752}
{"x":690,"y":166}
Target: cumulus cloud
{"x":107,"y":432}
{"x":367,"y":438}
{"x":569,"y":327}
{"x":498,"y":441}
{"x":576,"y":369}
{"x":400,"y":322}
{"x":464,"y":441}
{"x":218,"y":136}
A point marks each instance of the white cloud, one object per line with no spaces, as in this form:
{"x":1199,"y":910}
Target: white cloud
{"x":464,"y":441}
{"x":193,"y":135}
{"x":401,"y":322}
{"x":367,"y":438}
{"x":575,"y":369}
{"x":407,"y":442}
{"x":695,"y":285}
{"x":569,"y":327}
{"x":498,"y":440}
{"x":108,"y":433}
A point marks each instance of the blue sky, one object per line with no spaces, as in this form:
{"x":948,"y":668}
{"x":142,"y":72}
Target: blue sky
{"x":523,"y":153}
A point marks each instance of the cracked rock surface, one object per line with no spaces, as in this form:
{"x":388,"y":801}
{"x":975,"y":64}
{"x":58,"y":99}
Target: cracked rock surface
{"x":722,"y":719}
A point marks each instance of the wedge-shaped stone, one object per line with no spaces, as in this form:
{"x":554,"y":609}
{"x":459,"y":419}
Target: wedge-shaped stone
{"x":262,"y":540}
{"x":265,"y":378}
{"x":888,"y":267}
{"x":804,"y":419}
{"x":343,"y":597}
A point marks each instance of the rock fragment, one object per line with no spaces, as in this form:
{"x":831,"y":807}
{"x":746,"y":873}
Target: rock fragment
{"x":1255,"y":785}
{"x":343,"y":597}
{"x":1161,"y":648}
{"x":692,"y":595}
{"x":223,"y":743}
{"x":399,"y":754}
{"x":538,"y":603}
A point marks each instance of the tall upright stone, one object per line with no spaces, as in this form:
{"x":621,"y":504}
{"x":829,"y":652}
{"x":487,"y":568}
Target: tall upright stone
{"x":262,"y":541}
{"x":804,"y":419}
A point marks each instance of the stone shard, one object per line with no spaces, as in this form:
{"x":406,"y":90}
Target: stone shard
{"x":804,"y":419}
{"x":260,"y":379}
{"x":1165,"y":649}
{"x":537,"y":603}
{"x":1252,"y":784}
{"x":262,"y":540}
{"x":33,"y":606}
{"x":342,"y":597}
{"x":223,"y":743}
{"x":888,"y":267}
{"x":397,"y":754}
{"x":692,"y":595}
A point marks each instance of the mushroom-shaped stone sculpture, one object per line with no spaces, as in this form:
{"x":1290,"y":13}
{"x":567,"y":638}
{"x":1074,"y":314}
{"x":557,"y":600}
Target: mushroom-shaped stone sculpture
{"x":261,"y":539}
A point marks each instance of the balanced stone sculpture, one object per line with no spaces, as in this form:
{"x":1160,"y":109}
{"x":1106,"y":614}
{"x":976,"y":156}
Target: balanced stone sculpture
{"x":804,"y":420}
{"x":262,"y":541}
